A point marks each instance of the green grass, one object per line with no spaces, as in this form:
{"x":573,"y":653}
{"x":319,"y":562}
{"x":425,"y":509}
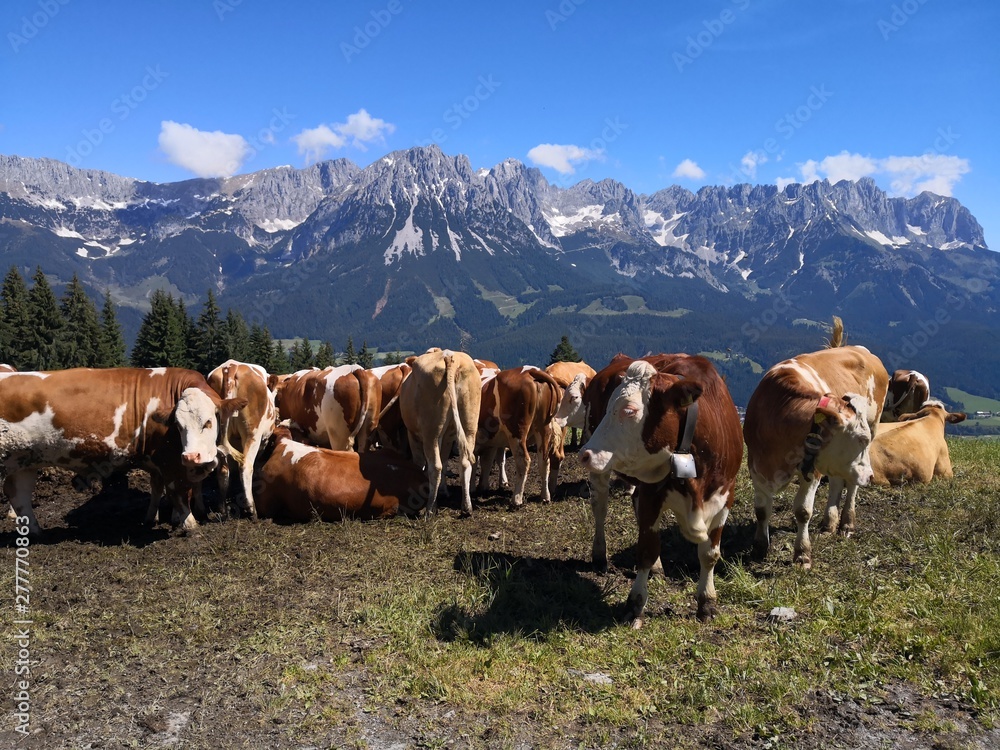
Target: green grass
{"x":755,"y":367}
{"x":634,"y":304}
{"x":973,"y":402}
{"x":506,"y":304}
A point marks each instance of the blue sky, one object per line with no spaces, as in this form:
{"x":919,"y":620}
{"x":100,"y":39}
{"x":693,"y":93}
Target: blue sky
{"x":648,"y":93}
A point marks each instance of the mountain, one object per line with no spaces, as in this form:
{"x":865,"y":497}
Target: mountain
{"x":420,"y":248}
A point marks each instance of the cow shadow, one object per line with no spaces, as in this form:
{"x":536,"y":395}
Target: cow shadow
{"x":527,"y":597}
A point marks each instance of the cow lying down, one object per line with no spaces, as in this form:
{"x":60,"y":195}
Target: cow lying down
{"x":299,"y":482}
{"x":913,"y":449}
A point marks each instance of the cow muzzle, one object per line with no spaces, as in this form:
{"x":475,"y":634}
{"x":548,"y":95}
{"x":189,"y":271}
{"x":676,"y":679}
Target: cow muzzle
{"x":595,"y":461}
{"x":198,"y":465}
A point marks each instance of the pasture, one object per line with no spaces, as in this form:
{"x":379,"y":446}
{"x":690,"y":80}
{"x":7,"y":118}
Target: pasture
{"x":493,"y":632}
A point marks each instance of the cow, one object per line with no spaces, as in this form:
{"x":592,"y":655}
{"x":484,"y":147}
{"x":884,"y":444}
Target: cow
{"x":517,"y":409}
{"x":335,"y":408}
{"x":674,"y":429}
{"x":299,"y":482}
{"x":595,"y":401}
{"x":908,"y":390}
{"x":810,"y":416}
{"x":485,"y":364}
{"x":390,"y":430}
{"x":7,"y":368}
{"x":914,"y":449}
{"x":164,"y":420}
{"x":439,"y":403}
{"x":249,"y":427}
{"x":572,"y":377}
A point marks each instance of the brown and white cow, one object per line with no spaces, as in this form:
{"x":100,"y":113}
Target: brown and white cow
{"x":810,"y":416}
{"x":517,"y":409}
{"x":7,"y":368}
{"x":335,"y":408}
{"x":300,"y":482}
{"x":440,"y":402}
{"x":908,"y":390}
{"x":391,"y":431}
{"x":649,"y":417}
{"x":164,"y":420}
{"x":241,"y":436}
{"x":595,"y":403}
{"x":914,"y":449}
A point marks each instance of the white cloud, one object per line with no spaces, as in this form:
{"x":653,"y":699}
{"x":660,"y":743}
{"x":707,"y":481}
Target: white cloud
{"x":937,"y":173}
{"x":315,"y":143}
{"x":360,"y":129}
{"x":689,"y":170}
{"x":562,"y":157}
{"x":207,"y":154}
{"x":908,"y":175}
{"x":750,"y":161}
{"x":783,"y":182}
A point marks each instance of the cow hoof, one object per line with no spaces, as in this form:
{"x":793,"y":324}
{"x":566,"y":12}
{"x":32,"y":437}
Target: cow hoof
{"x":637,"y":623}
{"x":846,"y":530}
{"x":760,"y":550}
{"x":657,"y":569}
{"x":706,"y":610}
{"x":804,"y":562}
{"x":601,"y":566}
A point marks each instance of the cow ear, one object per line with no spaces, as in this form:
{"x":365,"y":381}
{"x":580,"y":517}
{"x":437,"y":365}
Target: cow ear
{"x":230,"y":406}
{"x":680,"y":394}
{"x":955,"y":417}
{"x":272,"y":382}
{"x":162,"y":416}
{"x":828,"y":412}
{"x":410,"y":360}
{"x":909,"y":417}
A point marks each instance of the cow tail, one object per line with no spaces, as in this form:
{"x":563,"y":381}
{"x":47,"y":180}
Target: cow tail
{"x":555,"y":392}
{"x":229,"y":388}
{"x":449,"y":377}
{"x":365,"y":404}
{"x":837,"y":336}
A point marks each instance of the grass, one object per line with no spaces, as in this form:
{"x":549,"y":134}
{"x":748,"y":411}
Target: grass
{"x":481,"y":631}
{"x":973,"y":402}
{"x":506,"y":304}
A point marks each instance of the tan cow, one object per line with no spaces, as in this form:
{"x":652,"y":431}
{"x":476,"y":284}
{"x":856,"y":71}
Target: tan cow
{"x":299,"y":482}
{"x":810,"y":416}
{"x":335,"y":408}
{"x":164,"y":420}
{"x":573,"y":378}
{"x":439,"y":403}
{"x":914,"y":449}
{"x":517,"y":410}
{"x":241,"y":436}
{"x":908,"y":389}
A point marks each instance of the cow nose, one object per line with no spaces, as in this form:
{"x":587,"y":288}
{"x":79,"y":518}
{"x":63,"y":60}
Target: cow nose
{"x":586,"y":457}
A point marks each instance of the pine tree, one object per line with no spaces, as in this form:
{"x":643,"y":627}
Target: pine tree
{"x":208,"y":339}
{"x":187,"y":333}
{"x":111,"y":345}
{"x":80,"y":337}
{"x":366,"y":358}
{"x":350,"y":357}
{"x":47,"y":323}
{"x":394,"y":358}
{"x":261,"y":349}
{"x":301,"y":355}
{"x":564,"y":352}
{"x":325,"y":356}
{"x":15,"y":334}
{"x":237,"y":337}
{"x":278,"y":363}
{"x":161,"y":341}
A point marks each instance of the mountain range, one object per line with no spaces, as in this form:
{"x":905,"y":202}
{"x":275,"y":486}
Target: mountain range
{"x":419,"y":248}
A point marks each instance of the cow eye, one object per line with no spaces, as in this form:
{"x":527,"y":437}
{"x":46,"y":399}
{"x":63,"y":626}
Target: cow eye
{"x":208,"y":425}
{"x":629,"y":412}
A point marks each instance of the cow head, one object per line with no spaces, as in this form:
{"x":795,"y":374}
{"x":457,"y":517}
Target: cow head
{"x":933,"y":407}
{"x":571,"y":405}
{"x":845,"y":437}
{"x":908,"y":389}
{"x":641,"y":425}
{"x":197,"y":416}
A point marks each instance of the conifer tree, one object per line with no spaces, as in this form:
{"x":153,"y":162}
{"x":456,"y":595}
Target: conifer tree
{"x":185,"y":337}
{"x":278,"y":363}
{"x":161,"y":341}
{"x":16,"y":330}
{"x":237,"y":337}
{"x":111,"y":344}
{"x":46,"y":323}
{"x":301,"y":355}
{"x":394,"y":358}
{"x":208,"y":340}
{"x":261,"y":347}
{"x":325,"y":356}
{"x":564,"y":352}
{"x":80,"y":337}
{"x":350,"y":356}
{"x":366,"y":358}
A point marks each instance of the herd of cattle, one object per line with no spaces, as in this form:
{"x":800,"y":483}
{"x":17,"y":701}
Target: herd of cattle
{"x":350,"y":442}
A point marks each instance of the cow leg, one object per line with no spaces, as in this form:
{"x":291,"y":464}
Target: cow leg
{"x":467,"y":454}
{"x":599,"y":489}
{"x":504,"y":482}
{"x":222,"y":477}
{"x":246,"y":473}
{"x":522,"y":463}
{"x":182,"y":500}
{"x":20,"y":488}
{"x":647,"y":554}
{"x":803,"y":507}
{"x":434,"y":471}
{"x":708,"y":556}
{"x":832,"y":521}
{"x":763,"y":503}
{"x":487,"y":458}
{"x":847,"y":521}
{"x":155,"y":493}
{"x":544,"y":463}
{"x":657,"y":568}
{"x":198,"y":502}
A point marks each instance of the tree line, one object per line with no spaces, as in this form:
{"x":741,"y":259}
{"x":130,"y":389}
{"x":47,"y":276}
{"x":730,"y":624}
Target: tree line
{"x":40,"y":332}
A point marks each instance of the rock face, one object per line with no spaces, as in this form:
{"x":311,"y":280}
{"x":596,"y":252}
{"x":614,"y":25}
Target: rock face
{"x":420,"y":245}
